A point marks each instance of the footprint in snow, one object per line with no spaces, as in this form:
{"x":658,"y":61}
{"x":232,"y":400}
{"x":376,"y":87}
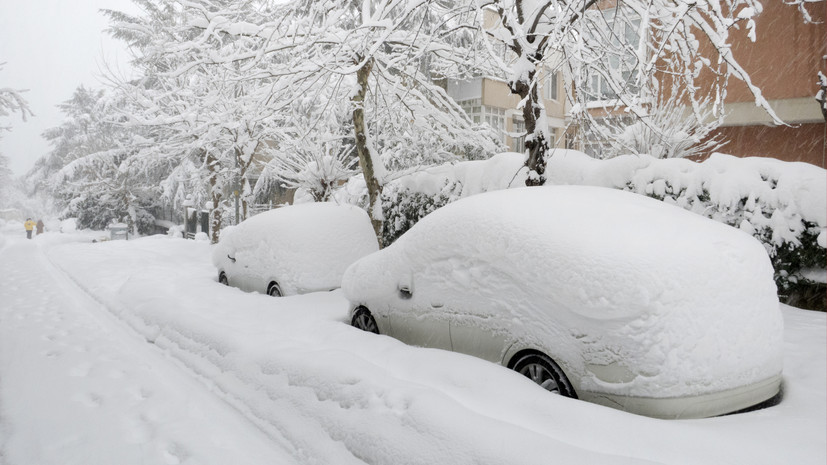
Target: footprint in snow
{"x":175,"y":454}
{"x":90,"y":399}
{"x":140,"y":393}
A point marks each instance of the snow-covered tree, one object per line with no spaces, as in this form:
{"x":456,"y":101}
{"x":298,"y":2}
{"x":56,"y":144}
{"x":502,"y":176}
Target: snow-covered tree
{"x":6,"y":179}
{"x":616,"y":52}
{"x":12,"y":101}
{"x":319,"y":155}
{"x":382,"y":57}
{"x":212,"y":119}
{"x":87,"y":170}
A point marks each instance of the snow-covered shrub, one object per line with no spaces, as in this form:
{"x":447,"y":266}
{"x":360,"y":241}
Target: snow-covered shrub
{"x":96,"y":213}
{"x":667,"y":129}
{"x":403,"y":207}
{"x":408,"y":198}
{"x":782,"y":204}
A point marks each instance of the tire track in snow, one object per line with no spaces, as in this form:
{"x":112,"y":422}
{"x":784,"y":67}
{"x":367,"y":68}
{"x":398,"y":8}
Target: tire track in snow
{"x":79,"y":387}
{"x":217,"y":376}
{"x":361,"y":413}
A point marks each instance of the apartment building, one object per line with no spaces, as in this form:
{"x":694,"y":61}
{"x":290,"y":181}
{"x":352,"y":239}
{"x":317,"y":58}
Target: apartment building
{"x":784,"y":62}
{"x":489,"y":100}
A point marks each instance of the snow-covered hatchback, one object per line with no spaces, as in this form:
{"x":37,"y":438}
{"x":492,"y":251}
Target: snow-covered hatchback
{"x":594,"y":293}
{"x":295,"y":249}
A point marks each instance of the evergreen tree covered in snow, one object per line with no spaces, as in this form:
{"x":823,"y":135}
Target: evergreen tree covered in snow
{"x":87,"y":171}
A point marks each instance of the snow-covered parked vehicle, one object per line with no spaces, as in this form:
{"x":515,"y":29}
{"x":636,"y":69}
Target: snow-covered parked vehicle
{"x":593,"y":293}
{"x":295,"y":249}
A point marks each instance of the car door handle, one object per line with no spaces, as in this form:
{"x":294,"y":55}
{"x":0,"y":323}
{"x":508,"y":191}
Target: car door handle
{"x":404,"y":292}
{"x":436,"y":304}
{"x":232,"y":259}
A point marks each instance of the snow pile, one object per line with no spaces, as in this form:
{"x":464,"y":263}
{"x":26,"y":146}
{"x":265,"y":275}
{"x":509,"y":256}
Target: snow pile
{"x":302,"y":247}
{"x":595,"y":277}
{"x":69,"y":225}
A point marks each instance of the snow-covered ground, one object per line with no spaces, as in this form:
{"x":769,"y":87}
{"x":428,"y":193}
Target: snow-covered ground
{"x":130,"y":352}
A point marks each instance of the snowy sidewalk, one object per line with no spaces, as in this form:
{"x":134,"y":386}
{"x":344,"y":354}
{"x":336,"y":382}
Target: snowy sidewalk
{"x":76,"y":387}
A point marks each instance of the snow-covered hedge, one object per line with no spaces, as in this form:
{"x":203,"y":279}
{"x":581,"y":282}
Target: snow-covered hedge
{"x":782,"y":204}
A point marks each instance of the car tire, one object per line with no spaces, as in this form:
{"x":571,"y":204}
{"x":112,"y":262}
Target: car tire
{"x":362,"y":319}
{"x":222,"y":278}
{"x":541,"y":369}
{"x":273,"y":290}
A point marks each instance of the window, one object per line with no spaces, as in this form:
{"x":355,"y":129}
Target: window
{"x":471,"y":108}
{"x":495,"y":117}
{"x":551,"y":87}
{"x":622,"y":37}
{"x":517,"y":135}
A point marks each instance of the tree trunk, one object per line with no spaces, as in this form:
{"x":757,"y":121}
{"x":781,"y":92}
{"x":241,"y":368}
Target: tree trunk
{"x":215,"y":196}
{"x":535,"y":141}
{"x":363,"y":150}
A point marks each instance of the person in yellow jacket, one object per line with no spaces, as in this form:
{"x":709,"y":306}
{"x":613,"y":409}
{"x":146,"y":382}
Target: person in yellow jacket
{"x":29,"y":225}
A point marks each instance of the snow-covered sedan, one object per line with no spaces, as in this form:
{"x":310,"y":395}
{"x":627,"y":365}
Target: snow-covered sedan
{"x":593,"y":293}
{"x":295,"y":249}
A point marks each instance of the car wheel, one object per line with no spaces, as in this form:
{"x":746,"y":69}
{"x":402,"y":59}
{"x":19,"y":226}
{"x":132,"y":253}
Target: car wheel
{"x":222,"y":278}
{"x":363,"y":320}
{"x":545,"y":372}
{"x":273,"y":290}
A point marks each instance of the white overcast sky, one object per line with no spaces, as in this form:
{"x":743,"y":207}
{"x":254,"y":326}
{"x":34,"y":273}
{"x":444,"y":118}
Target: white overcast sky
{"x":50,"y":47}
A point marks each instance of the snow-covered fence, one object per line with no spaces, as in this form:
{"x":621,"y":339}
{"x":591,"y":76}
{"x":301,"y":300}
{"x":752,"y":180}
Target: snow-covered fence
{"x":782,"y":204}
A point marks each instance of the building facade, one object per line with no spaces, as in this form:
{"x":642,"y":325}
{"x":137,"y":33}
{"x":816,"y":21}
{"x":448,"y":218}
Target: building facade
{"x":489,"y":100}
{"x":784,"y":61}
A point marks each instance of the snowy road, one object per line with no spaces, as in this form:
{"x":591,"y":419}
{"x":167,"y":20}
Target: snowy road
{"x":130,"y":352}
{"x":78,"y":387}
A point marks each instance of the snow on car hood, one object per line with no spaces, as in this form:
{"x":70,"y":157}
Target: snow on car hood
{"x":596,"y":276}
{"x":303,"y":247}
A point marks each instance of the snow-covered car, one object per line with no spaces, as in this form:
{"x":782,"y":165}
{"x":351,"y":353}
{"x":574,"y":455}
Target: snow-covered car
{"x":593,"y":293}
{"x":294,"y":249}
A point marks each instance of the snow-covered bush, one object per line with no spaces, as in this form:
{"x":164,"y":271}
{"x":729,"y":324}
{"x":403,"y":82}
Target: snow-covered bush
{"x":667,"y":131}
{"x":782,"y":204}
{"x":97,"y":212}
{"x":403,"y":207}
{"x":407,"y":199}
